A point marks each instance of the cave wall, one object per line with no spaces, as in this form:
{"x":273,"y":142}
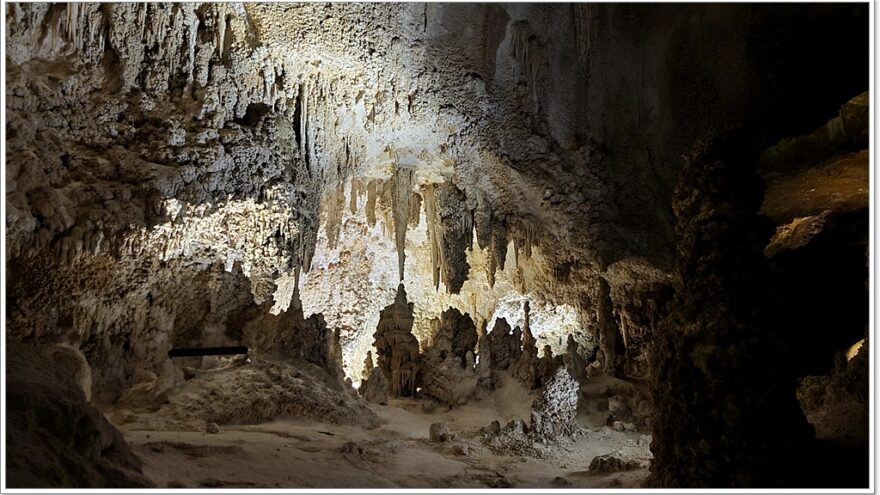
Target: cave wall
{"x":722,"y":350}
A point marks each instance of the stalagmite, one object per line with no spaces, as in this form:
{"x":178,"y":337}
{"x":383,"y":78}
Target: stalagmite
{"x":504,"y":345}
{"x":397,"y":350}
{"x":574,"y":362}
{"x":554,"y":413}
{"x":375,"y":387}
{"x":368,"y":364}
{"x":528,"y":341}
{"x":447,"y":366}
{"x":610,"y":340}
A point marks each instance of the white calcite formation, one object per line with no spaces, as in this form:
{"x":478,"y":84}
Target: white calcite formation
{"x":554,"y":413}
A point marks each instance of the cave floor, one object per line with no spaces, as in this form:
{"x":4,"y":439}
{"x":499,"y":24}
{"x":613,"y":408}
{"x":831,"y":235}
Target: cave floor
{"x":299,"y":452}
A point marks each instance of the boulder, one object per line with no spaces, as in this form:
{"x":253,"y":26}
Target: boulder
{"x":440,"y":432}
{"x":72,"y":365}
{"x":57,"y":439}
{"x":611,"y":463}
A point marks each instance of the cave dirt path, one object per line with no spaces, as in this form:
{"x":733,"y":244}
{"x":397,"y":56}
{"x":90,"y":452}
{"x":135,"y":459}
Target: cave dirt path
{"x":304,"y":453}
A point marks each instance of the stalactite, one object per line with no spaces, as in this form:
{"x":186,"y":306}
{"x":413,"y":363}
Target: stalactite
{"x":516,"y":245}
{"x":72,"y":24}
{"x":519,"y":46}
{"x":220,"y":28}
{"x":454,"y":234}
{"x":372,"y":195}
{"x":415,"y":209}
{"x":585,"y":19}
{"x":492,"y":267}
{"x":432,"y":219}
{"x":386,"y":208}
{"x":355,"y":194}
{"x":401,"y":195}
{"x":191,"y":40}
{"x":334,"y":203}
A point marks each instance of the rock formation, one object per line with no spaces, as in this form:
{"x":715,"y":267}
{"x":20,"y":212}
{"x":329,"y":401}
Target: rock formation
{"x":374,"y":387}
{"x":152,"y":391}
{"x":528,"y":340}
{"x":262,"y":174}
{"x":554,"y":413}
{"x":447,"y":366}
{"x":291,"y":336}
{"x":450,"y":232}
{"x":709,"y":352}
{"x":610,"y":339}
{"x":55,"y":437}
{"x":575,"y":364}
{"x":504,"y":345}
{"x":368,"y":364}
{"x":397,"y":350}
{"x":484,"y":360}
{"x":70,"y":364}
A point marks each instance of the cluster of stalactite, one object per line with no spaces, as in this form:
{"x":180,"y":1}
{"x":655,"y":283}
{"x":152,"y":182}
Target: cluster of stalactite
{"x":452,"y":224}
{"x":639,"y":314}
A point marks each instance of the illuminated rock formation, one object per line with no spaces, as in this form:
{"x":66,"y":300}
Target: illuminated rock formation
{"x":291,"y":336}
{"x":447,"y":366}
{"x":554,"y":412}
{"x":397,"y":350}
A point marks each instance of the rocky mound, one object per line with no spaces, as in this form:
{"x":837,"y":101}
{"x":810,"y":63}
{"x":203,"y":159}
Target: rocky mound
{"x":55,"y":439}
{"x":263,"y":390}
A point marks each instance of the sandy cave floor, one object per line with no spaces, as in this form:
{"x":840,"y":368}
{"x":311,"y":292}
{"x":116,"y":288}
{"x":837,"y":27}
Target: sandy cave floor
{"x":298,"y":452}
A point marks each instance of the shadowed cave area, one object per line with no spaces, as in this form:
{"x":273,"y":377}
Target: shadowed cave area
{"x":437,"y":245}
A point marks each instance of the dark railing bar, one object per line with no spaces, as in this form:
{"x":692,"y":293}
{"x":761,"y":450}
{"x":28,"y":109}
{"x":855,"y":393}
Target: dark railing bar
{"x":206,"y":351}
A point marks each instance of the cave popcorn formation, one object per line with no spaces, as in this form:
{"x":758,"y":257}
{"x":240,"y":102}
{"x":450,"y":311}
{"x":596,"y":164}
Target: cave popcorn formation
{"x":612,"y":245}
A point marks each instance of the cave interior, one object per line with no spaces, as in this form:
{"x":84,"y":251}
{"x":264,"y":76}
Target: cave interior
{"x":424,"y":245}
